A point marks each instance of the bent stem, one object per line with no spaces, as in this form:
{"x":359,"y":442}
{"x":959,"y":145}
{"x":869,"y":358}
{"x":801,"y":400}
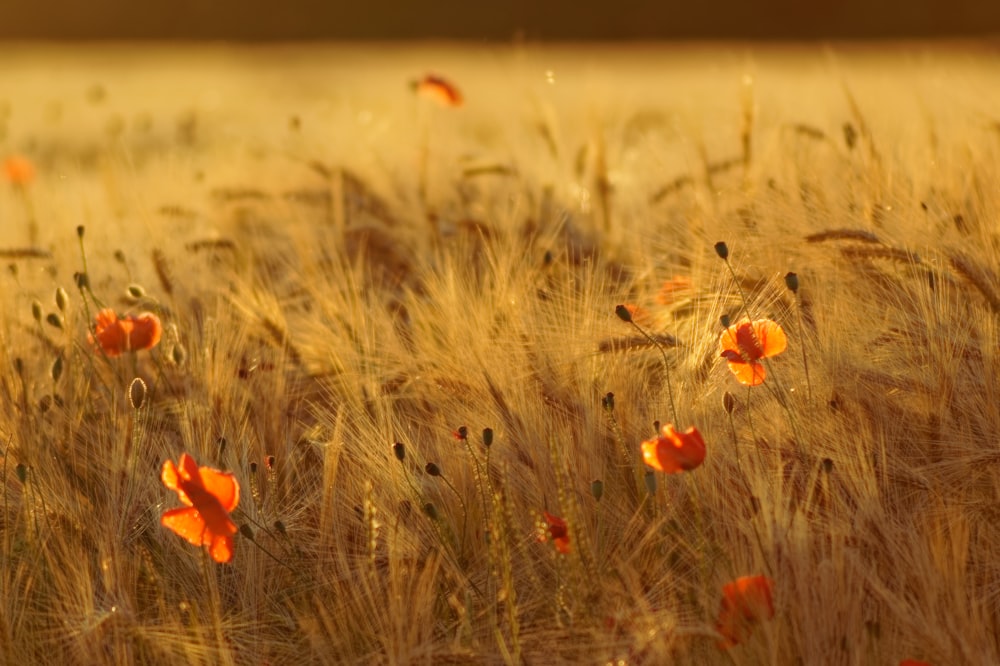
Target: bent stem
{"x":666,"y":366}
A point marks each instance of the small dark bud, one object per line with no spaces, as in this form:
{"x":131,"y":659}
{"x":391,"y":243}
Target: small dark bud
{"x":432,"y":469}
{"x":79,"y":231}
{"x":178,"y":354}
{"x":608,"y":402}
{"x":22,"y":472}
{"x":728,"y":402}
{"x":724,"y":320}
{"x":650,"y":480}
{"x":119,"y":256}
{"x":269,"y":463}
{"x":431,"y":511}
{"x":57,"y":368}
{"x":462,"y":433}
{"x":136,"y":291}
{"x":623,"y":313}
{"x":82,"y":281}
{"x":399,"y":450}
{"x":487,"y":437}
{"x":253,"y":467}
{"x":792,"y":282}
{"x":53,"y":320}
{"x":19,"y":366}
{"x":722,"y":250}
{"x":279,"y":527}
{"x":36,"y":311}
{"x":827,"y":465}
{"x":597,"y":489}
{"x":656,"y":426}
{"x":246,"y":532}
{"x":45,"y":404}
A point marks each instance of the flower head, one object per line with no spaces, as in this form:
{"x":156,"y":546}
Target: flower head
{"x":131,"y":333}
{"x":439,"y":89}
{"x":745,"y":343}
{"x":18,"y":170}
{"x":210,"y":495}
{"x":745,"y":602}
{"x":673,"y":451}
{"x":557,"y":530}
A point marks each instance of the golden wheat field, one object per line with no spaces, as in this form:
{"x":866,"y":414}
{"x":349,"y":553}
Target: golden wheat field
{"x":418,"y":354}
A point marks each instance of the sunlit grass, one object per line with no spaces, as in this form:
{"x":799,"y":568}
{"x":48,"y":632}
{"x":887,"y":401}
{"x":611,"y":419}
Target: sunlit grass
{"x":394,"y":321}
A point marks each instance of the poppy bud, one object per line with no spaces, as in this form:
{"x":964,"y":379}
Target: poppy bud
{"x":827,"y":465}
{"x":597,"y":489}
{"x":36,"y":311}
{"x":728,"y":402}
{"x":119,"y":256}
{"x":57,"y":367}
{"x":137,"y":393}
{"x":253,"y":467}
{"x":136,"y":291}
{"x":432,"y":469}
{"x":399,"y":450}
{"x":608,"y":402}
{"x":462,"y":433}
{"x":650,"y":480}
{"x":82,"y":281}
{"x":22,"y":472}
{"x":431,"y":511}
{"x":178,"y":354}
{"x":279,"y":527}
{"x":487,"y":437}
{"x":724,"y":320}
{"x":623,"y":313}
{"x":79,"y":231}
{"x":792,"y":282}
{"x":722,"y":250}
{"x":62,"y":299}
{"x":53,"y":319}
{"x":246,"y":532}
{"x":269,"y":463}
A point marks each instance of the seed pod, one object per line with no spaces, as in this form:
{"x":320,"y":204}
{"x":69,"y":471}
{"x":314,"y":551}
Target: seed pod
{"x":623,"y":313}
{"x":487,"y":437}
{"x":137,"y":393}
{"x":57,"y":368}
{"x":722,"y":250}
{"x":597,"y":489}
{"x":399,"y":449}
{"x":432,"y":469}
{"x":792,"y":282}
{"x":62,"y":299}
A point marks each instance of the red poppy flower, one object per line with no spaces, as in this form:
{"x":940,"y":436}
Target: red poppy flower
{"x":210,"y":495}
{"x":131,"y":333}
{"x":745,"y":602}
{"x":438,"y":89}
{"x":18,"y":170}
{"x":673,"y":451}
{"x":745,"y":343}
{"x":672,"y":289}
{"x":557,"y":530}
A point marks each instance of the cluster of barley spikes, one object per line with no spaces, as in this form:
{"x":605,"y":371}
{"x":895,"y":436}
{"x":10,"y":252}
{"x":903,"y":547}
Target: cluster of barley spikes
{"x":489,"y":388}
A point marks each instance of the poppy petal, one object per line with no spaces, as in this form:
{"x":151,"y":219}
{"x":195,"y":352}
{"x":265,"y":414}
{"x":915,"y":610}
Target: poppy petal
{"x":771,"y":336}
{"x":748,"y":374}
{"x":222,"y":485}
{"x":221,"y":549}
{"x":145,"y":332}
{"x":171,"y":479}
{"x":187,"y":522}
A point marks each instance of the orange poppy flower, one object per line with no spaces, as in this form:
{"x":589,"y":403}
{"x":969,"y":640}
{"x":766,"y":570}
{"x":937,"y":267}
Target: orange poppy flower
{"x":557,"y":530}
{"x":18,"y":170}
{"x":438,"y":89}
{"x":673,"y":451}
{"x":672,"y":289}
{"x":745,"y":602}
{"x":745,"y":343}
{"x":131,"y":333}
{"x":210,"y":495}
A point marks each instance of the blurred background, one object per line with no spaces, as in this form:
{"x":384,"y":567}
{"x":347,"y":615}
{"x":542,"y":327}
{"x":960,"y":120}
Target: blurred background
{"x":507,"y":20}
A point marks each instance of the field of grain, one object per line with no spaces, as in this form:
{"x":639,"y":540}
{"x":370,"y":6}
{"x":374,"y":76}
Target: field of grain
{"x":396,"y":323}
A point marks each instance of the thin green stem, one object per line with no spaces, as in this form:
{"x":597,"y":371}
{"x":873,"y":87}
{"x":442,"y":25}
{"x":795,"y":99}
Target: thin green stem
{"x":666,"y":367}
